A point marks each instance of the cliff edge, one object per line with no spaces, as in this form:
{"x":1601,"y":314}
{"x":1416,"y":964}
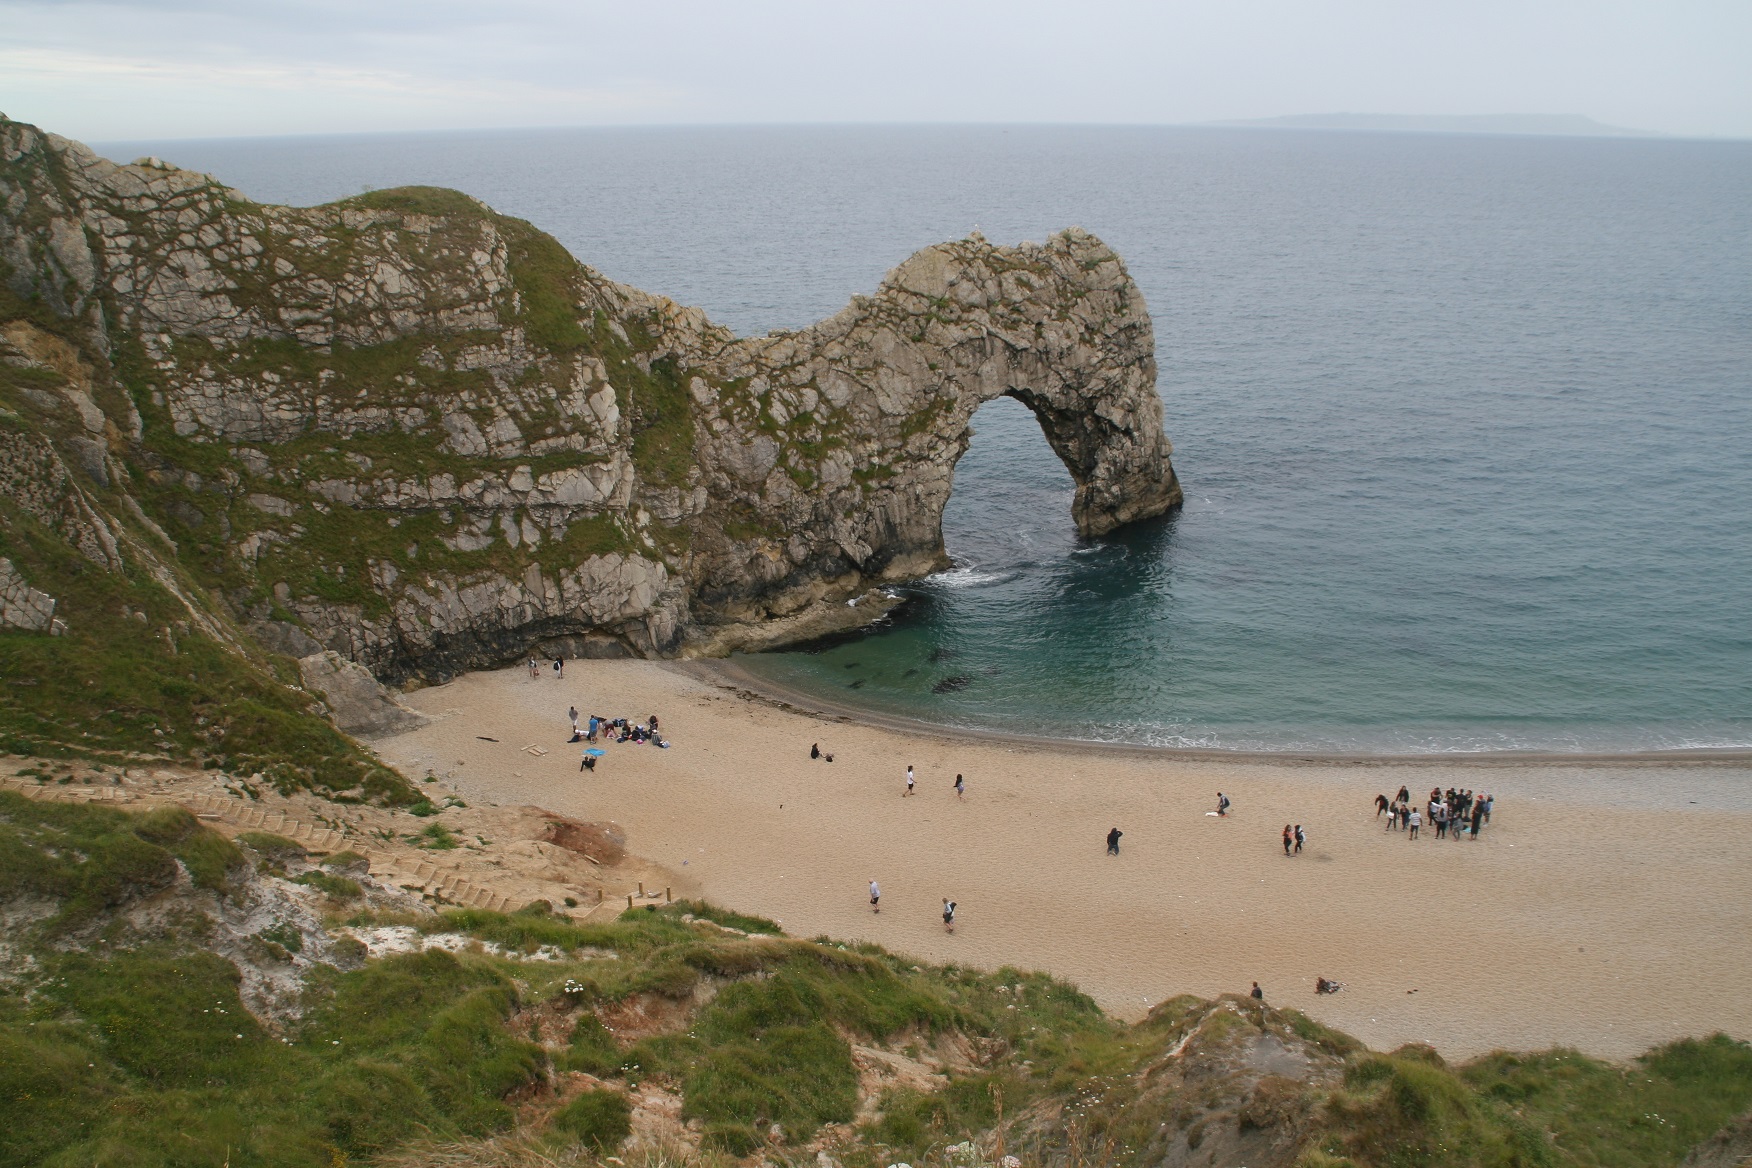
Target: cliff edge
{"x":419,"y":434}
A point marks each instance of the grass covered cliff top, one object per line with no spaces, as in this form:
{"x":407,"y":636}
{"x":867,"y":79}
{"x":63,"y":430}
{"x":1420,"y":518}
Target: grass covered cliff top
{"x":532,"y":1039}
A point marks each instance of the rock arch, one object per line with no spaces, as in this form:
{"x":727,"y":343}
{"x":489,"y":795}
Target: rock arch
{"x":873,"y":407}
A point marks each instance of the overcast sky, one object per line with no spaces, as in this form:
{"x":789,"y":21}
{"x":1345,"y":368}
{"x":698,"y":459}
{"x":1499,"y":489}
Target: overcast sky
{"x":197,"y":68}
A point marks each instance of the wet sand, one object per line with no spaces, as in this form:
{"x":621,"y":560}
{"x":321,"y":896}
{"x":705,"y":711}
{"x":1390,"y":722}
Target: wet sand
{"x":1608,"y":906}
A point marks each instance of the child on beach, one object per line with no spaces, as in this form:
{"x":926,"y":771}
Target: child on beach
{"x":960,"y":788}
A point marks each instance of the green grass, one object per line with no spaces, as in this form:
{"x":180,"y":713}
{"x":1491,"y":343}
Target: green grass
{"x":116,"y":688}
{"x":92,"y":860}
{"x":1647,"y":1112}
{"x":337,"y":887}
{"x":434,"y":836}
{"x":722,"y":916}
{"x":599,"y":1120}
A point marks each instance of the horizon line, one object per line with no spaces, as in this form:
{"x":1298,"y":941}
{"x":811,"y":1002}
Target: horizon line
{"x":1247,"y":124}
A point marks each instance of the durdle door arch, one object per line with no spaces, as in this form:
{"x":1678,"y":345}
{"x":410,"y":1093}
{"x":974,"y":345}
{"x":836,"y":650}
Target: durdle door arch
{"x":876,"y":404}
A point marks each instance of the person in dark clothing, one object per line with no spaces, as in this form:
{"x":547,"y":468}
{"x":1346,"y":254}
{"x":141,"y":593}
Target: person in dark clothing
{"x":1300,"y":839}
{"x":1381,"y":804}
{"x":1403,"y":796}
{"x":1257,"y":994}
{"x":815,"y":750}
{"x":1113,"y":841}
{"x":1289,"y":839}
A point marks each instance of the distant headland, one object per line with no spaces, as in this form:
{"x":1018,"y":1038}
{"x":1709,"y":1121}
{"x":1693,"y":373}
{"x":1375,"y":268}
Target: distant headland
{"x":1546,"y":125}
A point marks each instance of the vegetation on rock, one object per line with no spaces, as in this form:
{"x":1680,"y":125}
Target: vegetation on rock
{"x":122,"y":1043}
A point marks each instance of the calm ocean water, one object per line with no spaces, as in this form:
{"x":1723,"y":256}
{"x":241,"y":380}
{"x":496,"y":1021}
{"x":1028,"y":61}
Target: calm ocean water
{"x":1465,"y":423}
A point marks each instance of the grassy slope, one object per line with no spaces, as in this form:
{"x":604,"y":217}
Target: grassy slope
{"x":145,"y":1055}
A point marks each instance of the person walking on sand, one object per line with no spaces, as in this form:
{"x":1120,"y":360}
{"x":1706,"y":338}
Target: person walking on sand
{"x":560,"y":668}
{"x":948,"y":915}
{"x":534,"y":672}
{"x":1222,"y":805}
{"x":960,"y":787}
{"x":909,"y":781}
{"x":1404,"y":795}
{"x":875,"y":896}
{"x":1113,"y":835}
{"x":1287,"y":839}
{"x":1300,"y":839}
{"x":1416,"y":820}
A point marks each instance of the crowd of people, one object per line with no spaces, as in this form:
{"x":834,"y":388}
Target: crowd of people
{"x":604,"y":729}
{"x":1452,"y":813}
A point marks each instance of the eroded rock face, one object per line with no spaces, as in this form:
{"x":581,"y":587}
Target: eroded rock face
{"x":426,"y":435}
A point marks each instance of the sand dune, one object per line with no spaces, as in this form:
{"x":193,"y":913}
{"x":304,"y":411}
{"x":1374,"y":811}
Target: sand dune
{"x":1605,"y":908}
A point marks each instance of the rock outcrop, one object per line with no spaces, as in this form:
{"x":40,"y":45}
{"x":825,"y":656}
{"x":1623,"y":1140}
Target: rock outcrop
{"x":422,"y":436}
{"x":21,"y":606}
{"x":356,"y":702}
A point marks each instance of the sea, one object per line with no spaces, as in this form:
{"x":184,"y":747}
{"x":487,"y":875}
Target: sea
{"x":1464,"y":421}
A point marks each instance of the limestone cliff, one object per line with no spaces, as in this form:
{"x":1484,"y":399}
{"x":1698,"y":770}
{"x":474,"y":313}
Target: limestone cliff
{"x":418,"y":433}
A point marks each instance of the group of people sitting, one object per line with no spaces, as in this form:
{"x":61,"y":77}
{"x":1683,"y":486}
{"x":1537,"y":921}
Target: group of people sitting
{"x":601,"y":729}
{"x":1452,"y":812}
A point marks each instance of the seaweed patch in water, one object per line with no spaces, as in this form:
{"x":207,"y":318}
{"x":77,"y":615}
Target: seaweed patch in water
{"x":909,"y":673}
{"x":856,"y":684}
{"x":951,"y":684}
{"x":941,"y":654}
{"x":851,"y":664}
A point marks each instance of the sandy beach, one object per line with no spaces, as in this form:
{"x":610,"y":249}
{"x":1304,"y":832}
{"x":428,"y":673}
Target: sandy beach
{"x":1608,"y":906}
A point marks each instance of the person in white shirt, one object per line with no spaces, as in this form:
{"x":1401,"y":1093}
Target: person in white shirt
{"x":875,"y":897}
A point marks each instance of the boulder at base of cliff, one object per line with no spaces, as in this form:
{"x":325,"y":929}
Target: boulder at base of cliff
{"x":357,"y":703}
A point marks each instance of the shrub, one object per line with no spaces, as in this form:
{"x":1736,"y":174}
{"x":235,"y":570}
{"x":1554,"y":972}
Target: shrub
{"x":276,"y":849}
{"x":339,"y":887}
{"x":599,"y":1120}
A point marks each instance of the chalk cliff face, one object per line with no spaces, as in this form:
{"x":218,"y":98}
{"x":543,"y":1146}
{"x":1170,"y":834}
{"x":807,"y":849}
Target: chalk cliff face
{"x":419,"y":434}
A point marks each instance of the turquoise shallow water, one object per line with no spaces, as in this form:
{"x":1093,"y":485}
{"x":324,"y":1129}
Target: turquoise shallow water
{"x":1465,"y":423}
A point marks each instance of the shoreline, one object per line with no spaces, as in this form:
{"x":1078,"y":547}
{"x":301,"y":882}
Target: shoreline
{"x":727,"y":674}
{"x":1602,"y":908}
